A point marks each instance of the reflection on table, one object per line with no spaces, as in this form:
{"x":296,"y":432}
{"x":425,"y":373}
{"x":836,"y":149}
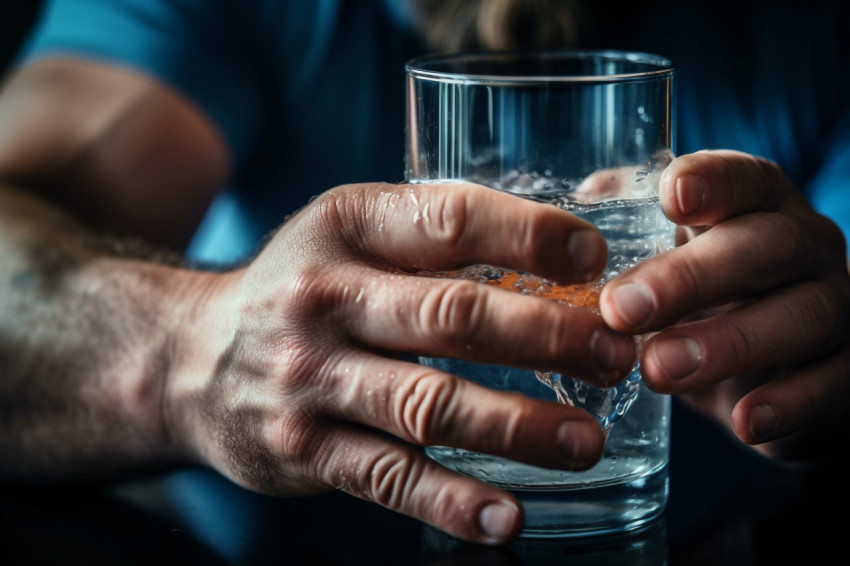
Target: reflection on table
{"x":643,"y":547}
{"x":727,"y":506}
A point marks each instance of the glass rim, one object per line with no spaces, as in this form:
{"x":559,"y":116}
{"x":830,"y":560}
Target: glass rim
{"x":418,"y":67}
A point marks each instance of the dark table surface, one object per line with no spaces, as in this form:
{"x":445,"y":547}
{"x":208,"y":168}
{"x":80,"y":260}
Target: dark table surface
{"x":727,"y":506}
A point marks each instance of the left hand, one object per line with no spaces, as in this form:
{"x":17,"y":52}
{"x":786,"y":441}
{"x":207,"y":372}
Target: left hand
{"x":752,"y":309}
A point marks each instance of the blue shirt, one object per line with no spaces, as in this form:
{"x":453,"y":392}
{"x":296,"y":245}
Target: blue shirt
{"x":310,"y":94}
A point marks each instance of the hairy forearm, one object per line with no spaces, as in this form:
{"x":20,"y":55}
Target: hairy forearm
{"x":86,"y":342}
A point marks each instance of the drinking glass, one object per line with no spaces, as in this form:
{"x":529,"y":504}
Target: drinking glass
{"x":590,"y":132}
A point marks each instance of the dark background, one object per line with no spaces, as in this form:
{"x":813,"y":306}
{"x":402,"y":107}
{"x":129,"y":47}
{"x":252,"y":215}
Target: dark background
{"x":726,"y":505}
{"x":16,"y":18}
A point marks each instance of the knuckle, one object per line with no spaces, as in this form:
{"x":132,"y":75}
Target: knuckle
{"x":445,"y":506}
{"x":817,"y":314}
{"x":393,"y":477}
{"x":741,"y":347}
{"x":330,"y":207}
{"x":452,"y":311}
{"x":298,"y":438}
{"x":796,"y":254}
{"x":335,"y":204}
{"x":558,"y":335}
{"x":678,"y":271}
{"x":451,"y":213}
{"x":511,"y":426}
{"x":759,"y":173}
{"x":424,"y":407}
{"x":686,"y":274}
{"x":343,"y":213}
{"x":738,"y":169}
{"x":766,"y":169}
{"x":312,"y":291}
{"x":303,"y":369}
{"x":530,"y":241}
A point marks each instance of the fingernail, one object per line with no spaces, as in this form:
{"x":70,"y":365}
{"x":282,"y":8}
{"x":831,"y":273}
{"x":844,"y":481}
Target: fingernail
{"x":611,"y":352}
{"x":677,"y":357}
{"x":584,"y":250}
{"x":633,"y":302}
{"x":763,"y":419}
{"x":689,"y":193}
{"x":577,"y":442}
{"x":498,"y":520}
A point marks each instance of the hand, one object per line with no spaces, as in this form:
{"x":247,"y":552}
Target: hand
{"x":295,"y":381}
{"x":752,"y":309}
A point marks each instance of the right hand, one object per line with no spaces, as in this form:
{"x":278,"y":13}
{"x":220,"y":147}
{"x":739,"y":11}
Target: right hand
{"x":293,"y":378}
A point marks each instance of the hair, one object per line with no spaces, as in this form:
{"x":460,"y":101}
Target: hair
{"x":454,"y":25}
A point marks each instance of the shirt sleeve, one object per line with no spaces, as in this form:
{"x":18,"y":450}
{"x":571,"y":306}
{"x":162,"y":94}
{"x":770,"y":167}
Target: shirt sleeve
{"x":202,"y":49}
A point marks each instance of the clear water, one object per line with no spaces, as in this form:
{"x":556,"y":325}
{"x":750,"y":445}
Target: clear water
{"x":635,"y":230}
{"x":635,"y":447}
{"x":607,"y":404}
{"x":628,"y":487}
{"x":596,"y":510}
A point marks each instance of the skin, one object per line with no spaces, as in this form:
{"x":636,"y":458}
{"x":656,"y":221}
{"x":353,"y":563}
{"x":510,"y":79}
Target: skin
{"x":752,"y":308}
{"x":291,"y":374}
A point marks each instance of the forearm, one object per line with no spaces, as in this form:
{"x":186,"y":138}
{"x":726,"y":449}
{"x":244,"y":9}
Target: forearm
{"x":86,"y":345}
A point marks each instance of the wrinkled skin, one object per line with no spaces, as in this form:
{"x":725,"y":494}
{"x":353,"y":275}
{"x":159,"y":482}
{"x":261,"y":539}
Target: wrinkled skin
{"x":313,"y":390}
{"x":297,"y":379}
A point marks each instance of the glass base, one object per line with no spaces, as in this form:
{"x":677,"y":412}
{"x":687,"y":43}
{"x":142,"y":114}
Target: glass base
{"x":644,"y":546}
{"x":617,"y":496}
{"x":592,"y":511}
{"x":625,"y":490}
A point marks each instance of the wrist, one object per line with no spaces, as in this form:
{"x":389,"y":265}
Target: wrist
{"x":201,"y":330}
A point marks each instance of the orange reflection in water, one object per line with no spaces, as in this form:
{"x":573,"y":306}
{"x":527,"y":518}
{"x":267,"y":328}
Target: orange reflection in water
{"x":584,"y":295}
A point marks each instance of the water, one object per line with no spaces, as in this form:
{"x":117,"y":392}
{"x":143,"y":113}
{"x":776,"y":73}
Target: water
{"x":635,"y":447}
{"x":628,"y":487}
{"x":606,"y":404}
{"x":635,"y":230}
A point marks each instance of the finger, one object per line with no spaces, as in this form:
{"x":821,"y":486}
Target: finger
{"x":762,"y":250}
{"x":464,"y":319}
{"x":403,"y":479}
{"x":426,"y":406}
{"x":813,"y":398}
{"x":436,"y":227}
{"x":799,"y":323}
{"x":707,"y":187}
{"x":606,"y":183}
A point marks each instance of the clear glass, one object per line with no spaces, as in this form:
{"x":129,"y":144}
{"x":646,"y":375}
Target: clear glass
{"x":590,"y":132}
